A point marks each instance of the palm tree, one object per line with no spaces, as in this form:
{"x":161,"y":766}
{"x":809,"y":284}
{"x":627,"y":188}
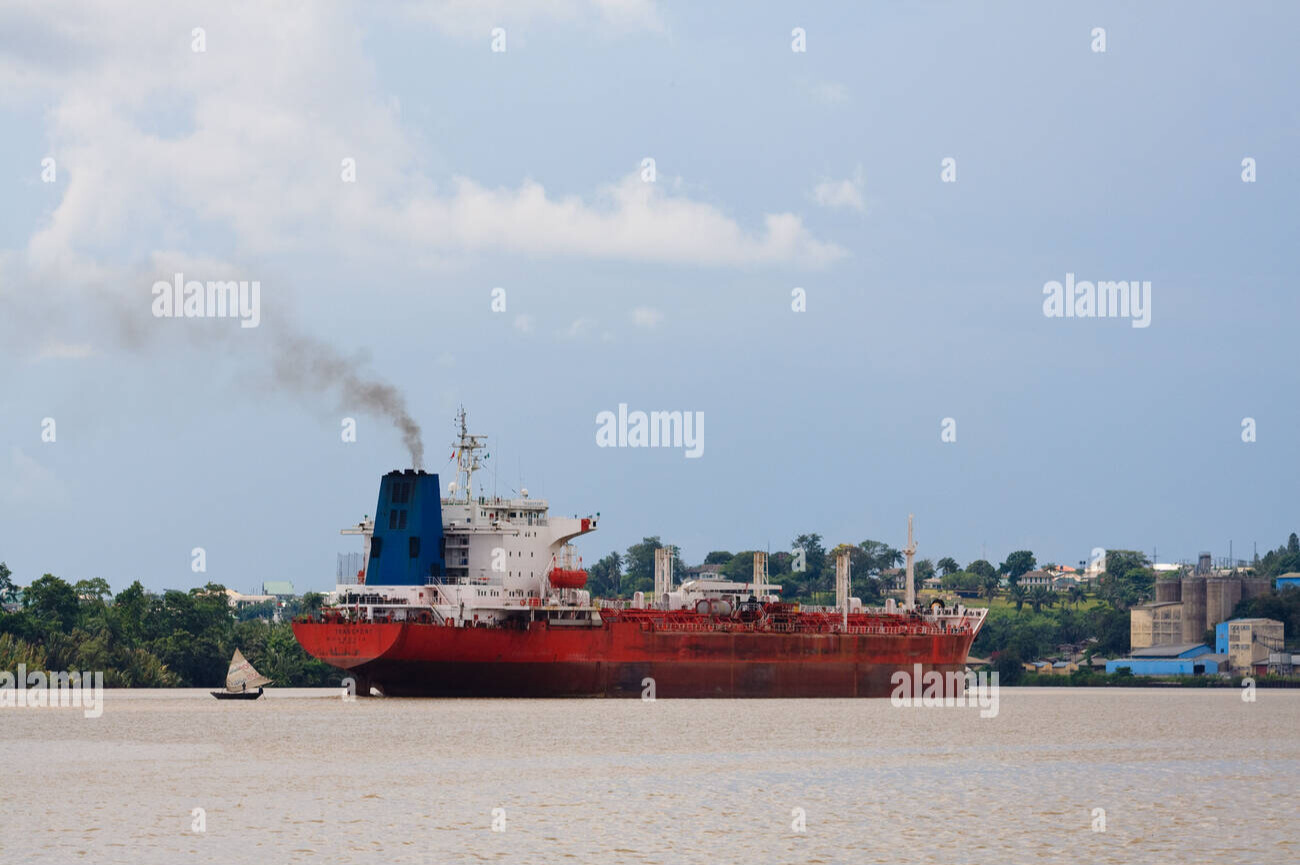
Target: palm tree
{"x":948,"y":565}
{"x":1018,"y":593}
{"x":1040,"y":597}
{"x":991,"y":586}
{"x":1077,"y":595}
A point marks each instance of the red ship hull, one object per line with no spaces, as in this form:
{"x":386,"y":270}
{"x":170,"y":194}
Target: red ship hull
{"x":616,"y":658}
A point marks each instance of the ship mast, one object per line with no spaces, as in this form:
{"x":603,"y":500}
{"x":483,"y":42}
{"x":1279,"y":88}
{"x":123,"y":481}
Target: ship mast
{"x":760,"y":575}
{"x":910,"y":552}
{"x":467,"y":462}
{"x":842,"y":584}
{"x":663,"y":575}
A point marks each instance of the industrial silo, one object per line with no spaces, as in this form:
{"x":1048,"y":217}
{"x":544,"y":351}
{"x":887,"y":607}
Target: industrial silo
{"x":1221,"y":597}
{"x":1253,"y":587}
{"x":1193,"y":590}
{"x":1214,"y":601}
{"x":1168,"y":590}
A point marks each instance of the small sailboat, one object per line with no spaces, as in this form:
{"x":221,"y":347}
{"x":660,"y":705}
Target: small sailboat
{"x":241,"y":679}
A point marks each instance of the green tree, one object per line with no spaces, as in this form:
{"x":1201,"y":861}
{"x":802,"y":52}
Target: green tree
{"x":1284,"y":606}
{"x":1127,"y":580}
{"x":311,"y":603}
{"x":8,"y":591}
{"x":53,"y":601}
{"x":1041,"y":596}
{"x":639,"y":565}
{"x":1018,"y":594}
{"x":1017,"y":564}
{"x":879,"y":556}
{"x":258,"y":610}
{"x":779,"y":563}
{"x":814,"y":560}
{"x":990,"y":583}
{"x":95,"y":589}
{"x":605,"y":577}
{"x":948,"y":565}
{"x":14,"y":651}
{"x":1285,"y":559}
{"x":981,"y":568}
{"x":130,"y":608}
{"x":1110,"y":627}
{"x":1009,"y":666}
{"x":740,"y":567}
{"x":717,"y":557}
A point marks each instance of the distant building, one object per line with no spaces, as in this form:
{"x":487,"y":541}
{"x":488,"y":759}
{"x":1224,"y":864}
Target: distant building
{"x":238,"y":601}
{"x":1289,"y":580}
{"x":1184,"y":659}
{"x":1156,"y":624}
{"x":1248,"y":641}
{"x":1051,"y":668}
{"x":893,"y":578}
{"x":1278,"y":664}
{"x":279,"y":588}
{"x":1202,"y":603}
{"x":1036,"y":579}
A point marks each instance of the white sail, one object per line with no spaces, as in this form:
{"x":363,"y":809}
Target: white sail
{"x":242,"y":676}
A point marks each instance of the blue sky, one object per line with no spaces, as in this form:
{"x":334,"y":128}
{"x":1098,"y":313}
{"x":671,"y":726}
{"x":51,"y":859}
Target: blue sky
{"x":521,"y":169}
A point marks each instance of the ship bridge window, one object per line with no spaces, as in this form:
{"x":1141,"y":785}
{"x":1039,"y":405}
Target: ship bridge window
{"x":414,"y":546}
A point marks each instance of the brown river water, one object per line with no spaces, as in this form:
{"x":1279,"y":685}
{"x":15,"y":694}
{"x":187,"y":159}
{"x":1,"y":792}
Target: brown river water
{"x":1182,"y":776}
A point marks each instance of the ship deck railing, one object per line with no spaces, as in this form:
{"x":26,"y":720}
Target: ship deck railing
{"x":785,"y":623}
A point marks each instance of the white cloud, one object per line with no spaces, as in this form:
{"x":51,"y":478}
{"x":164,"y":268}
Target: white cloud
{"x":628,"y":220}
{"x":841,"y":193}
{"x":476,"y":18}
{"x":160,"y":147}
{"x":647,"y":317}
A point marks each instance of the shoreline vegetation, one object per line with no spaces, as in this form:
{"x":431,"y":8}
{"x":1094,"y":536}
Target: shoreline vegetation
{"x":185,"y":638}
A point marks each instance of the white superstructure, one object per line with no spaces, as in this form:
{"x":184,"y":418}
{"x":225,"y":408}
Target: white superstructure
{"x":500,"y":556}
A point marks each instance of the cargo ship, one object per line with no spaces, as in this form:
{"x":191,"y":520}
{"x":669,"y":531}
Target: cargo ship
{"x":483,"y":596}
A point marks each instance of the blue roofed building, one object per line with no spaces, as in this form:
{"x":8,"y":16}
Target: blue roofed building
{"x":1289,"y":581}
{"x":1184,"y":659}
